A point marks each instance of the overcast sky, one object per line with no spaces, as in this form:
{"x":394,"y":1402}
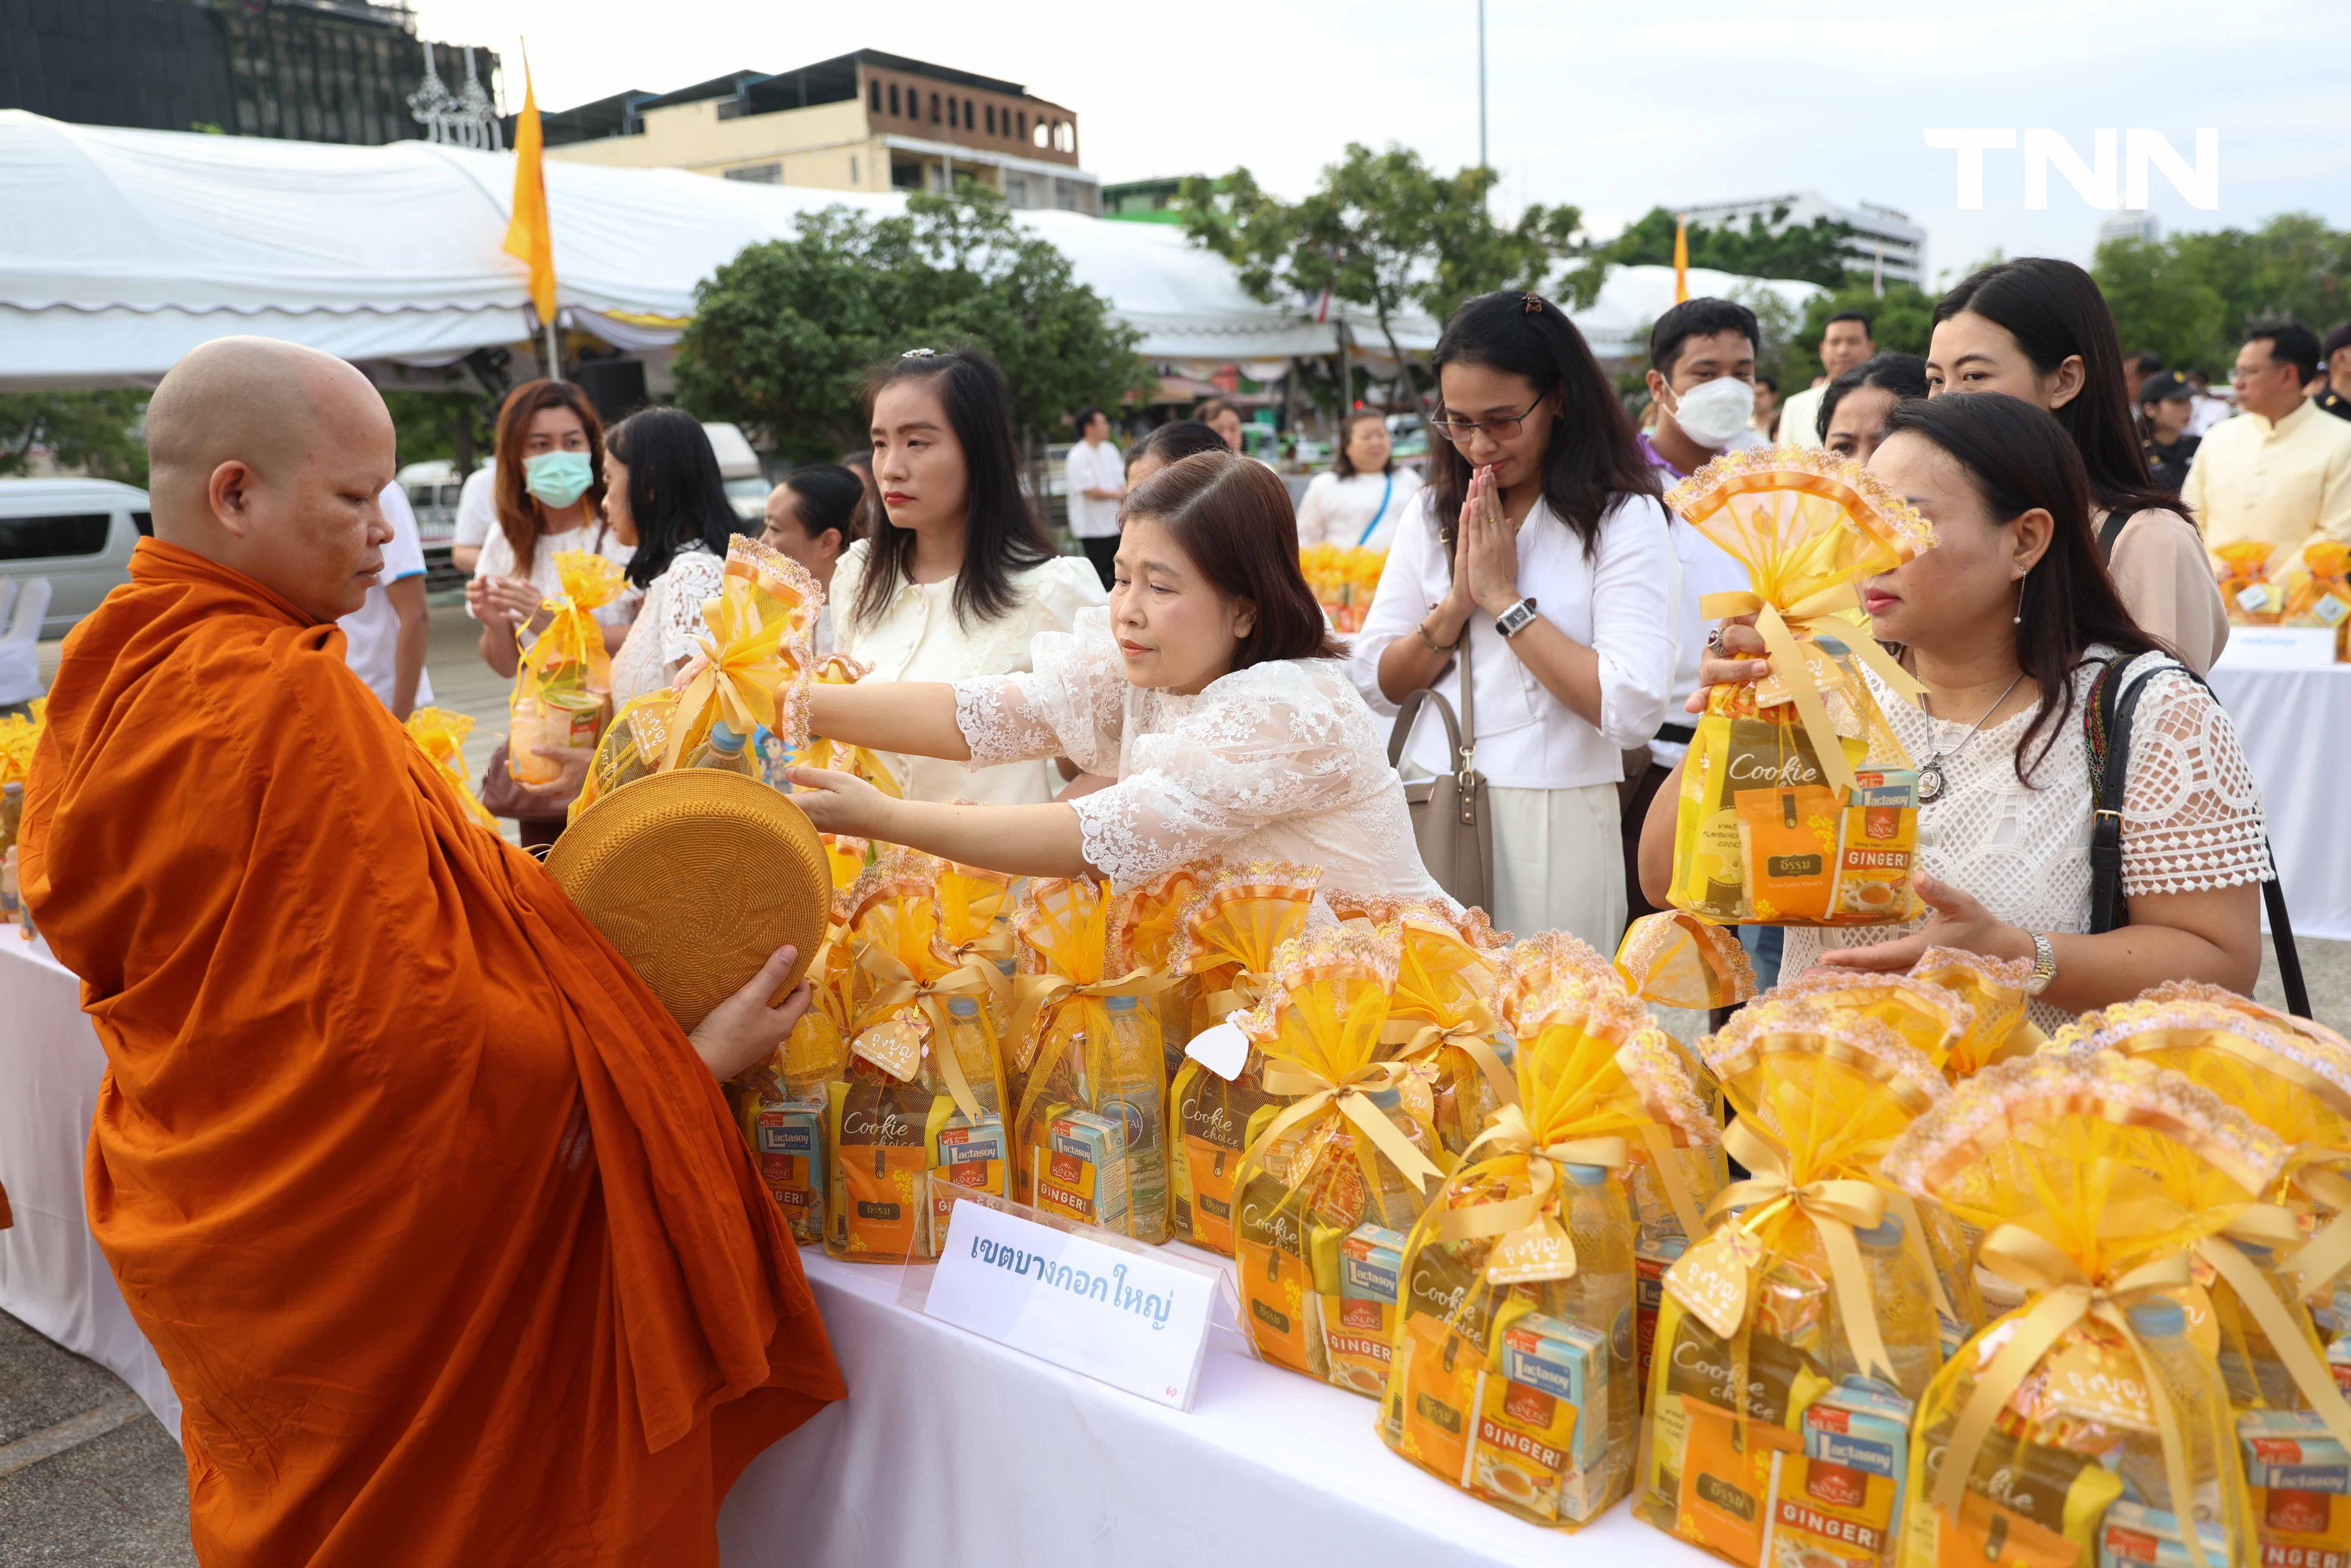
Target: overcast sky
{"x":1614,"y":108}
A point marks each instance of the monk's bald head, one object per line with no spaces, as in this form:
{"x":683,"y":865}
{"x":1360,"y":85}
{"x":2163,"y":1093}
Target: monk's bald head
{"x":268,"y":457}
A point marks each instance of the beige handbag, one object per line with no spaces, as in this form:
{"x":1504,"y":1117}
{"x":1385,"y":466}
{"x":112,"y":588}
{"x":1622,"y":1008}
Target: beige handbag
{"x":1448,"y":812}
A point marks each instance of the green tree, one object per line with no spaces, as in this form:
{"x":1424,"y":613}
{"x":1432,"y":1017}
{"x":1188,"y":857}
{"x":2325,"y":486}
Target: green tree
{"x":1808,"y":253}
{"x":2191,"y":296}
{"x":2162,"y":301}
{"x":1901,"y":320}
{"x":452,"y":426}
{"x":1383,"y":231}
{"x":94,"y":431}
{"x":783,"y":335}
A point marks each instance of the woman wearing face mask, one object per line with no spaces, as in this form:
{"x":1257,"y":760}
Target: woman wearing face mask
{"x":551,"y":498}
{"x":1856,"y":405}
{"x":2039,"y":329}
{"x":1209,"y":691}
{"x":1541,"y":539}
{"x":1363,"y":496}
{"x":2007,"y":621}
{"x":960,"y":581}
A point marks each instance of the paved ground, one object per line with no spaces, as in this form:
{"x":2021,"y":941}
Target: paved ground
{"x":86,"y":1476}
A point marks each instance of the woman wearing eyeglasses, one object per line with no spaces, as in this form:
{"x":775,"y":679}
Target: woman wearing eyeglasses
{"x":1541,"y":538}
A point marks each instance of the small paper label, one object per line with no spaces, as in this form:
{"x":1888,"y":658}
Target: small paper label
{"x":894,"y":1046}
{"x":1713,"y":1278}
{"x":2331,"y":610}
{"x":1221,"y":1049}
{"x":1541,"y":1252}
{"x":2254,"y":598}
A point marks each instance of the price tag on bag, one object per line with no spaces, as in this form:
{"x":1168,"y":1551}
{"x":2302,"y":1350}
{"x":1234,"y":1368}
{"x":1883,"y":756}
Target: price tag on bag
{"x":1222,"y":1049}
{"x":1134,"y":1320}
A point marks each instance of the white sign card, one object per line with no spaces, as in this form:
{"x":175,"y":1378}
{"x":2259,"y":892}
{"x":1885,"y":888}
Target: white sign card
{"x":1132,"y":1319}
{"x":2278,"y":648}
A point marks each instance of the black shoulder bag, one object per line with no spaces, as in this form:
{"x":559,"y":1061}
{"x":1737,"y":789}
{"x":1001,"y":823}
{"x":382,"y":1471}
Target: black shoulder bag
{"x":2107,"y":718}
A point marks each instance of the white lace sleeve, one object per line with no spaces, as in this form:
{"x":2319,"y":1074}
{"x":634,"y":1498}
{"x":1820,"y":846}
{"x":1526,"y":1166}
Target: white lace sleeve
{"x":1073,"y":705}
{"x":2191,"y":811}
{"x":1264,"y":743}
{"x":694,"y":575}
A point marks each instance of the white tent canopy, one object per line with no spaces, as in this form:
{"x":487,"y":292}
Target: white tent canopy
{"x":122,"y":249}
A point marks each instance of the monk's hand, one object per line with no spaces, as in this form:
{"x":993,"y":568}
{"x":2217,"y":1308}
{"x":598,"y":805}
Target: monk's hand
{"x":565,"y":787}
{"x":840,"y":802}
{"x":743,"y":1031}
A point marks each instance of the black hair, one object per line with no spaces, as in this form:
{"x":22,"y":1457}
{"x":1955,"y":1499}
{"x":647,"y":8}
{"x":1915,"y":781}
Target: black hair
{"x":676,"y":497}
{"x":2019,"y":457}
{"x":1868,"y":326}
{"x":827,"y":496}
{"x":1904,"y":375}
{"x":1773,"y":382}
{"x":2290,"y":343}
{"x":1085,"y":418}
{"x":1176,"y":440}
{"x":858,"y":460}
{"x":1343,"y":465}
{"x":2149,"y":362}
{"x":2055,"y":311}
{"x":1699,"y":318}
{"x":2335,"y":342}
{"x":1594,"y":459}
{"x":1001,"y":535}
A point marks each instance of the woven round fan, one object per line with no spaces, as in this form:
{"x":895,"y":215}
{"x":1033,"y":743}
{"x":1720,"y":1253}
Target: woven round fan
{"x":696,"y":876}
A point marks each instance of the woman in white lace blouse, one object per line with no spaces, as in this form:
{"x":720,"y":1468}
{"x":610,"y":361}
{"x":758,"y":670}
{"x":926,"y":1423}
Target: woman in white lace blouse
{"x":1209,"y":690}
{"x":2008,"y":621}
{"x":665,"y":494}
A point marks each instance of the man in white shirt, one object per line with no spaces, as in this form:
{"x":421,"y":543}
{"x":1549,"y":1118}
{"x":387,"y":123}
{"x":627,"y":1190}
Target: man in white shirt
{"x":1097,"y":483}
{"x":1846,"y":341}
{"x":384,"y":639}
{"x":478,"y":514}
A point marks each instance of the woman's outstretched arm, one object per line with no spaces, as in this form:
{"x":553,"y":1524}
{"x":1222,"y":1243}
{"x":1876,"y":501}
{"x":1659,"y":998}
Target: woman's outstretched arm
{"x":1024,"y":840}
{"x":913,"y":717}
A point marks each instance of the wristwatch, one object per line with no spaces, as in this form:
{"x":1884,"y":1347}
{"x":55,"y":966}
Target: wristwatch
{"x":2044,"y":965}
{"x":1516,"y":619}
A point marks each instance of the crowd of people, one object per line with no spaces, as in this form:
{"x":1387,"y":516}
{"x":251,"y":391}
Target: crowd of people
{"x":1172,"y":693}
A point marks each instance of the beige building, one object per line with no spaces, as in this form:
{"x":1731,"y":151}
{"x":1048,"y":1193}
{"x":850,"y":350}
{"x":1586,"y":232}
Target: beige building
{"x":866,"y":121}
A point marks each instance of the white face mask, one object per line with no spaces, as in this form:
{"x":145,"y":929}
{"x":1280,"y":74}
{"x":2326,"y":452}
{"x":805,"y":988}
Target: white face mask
{"x":1713,"y":411}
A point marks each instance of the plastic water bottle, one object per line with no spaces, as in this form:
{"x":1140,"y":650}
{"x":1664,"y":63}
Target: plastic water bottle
{"x":967,"y":1038}
{"x":1906,"y":1312}
{"x":723,"y":751}
{"x":1599,"y":1295}
{"x":1134,"y":1089}
{"x":2177,"y":1369}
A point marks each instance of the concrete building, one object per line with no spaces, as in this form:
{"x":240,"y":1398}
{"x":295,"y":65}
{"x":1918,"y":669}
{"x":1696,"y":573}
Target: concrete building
{"x":2144,"y":226}
{"x":862,"y":122}
{"x":1879,"y":233}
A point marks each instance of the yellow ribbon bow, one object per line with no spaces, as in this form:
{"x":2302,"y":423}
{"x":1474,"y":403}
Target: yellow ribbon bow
{"x":899,"y":988}
{"x":1814,"y":615}
{"x":2321,"y":1261}
{"x":1035,"y":994}
{"x":2066,"y":1295}
{"x":1351,"y":1096}
{"x":2267,"y":1225}
{"x":20,"y":736}
{"x":441,"y":735}
{"x":571,"y":635}
{"x":735,"y":675}
{"x":1534,"y":1245}
{"x":1835,"y":1207}
{"x":1469,"y":1034}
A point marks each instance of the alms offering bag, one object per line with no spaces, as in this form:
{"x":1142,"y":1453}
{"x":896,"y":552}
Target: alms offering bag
{"x":2094,"y":1178}
{"x":1797,"y":807}
{"x":1513,"y":1334}
{"x":564,"y":677}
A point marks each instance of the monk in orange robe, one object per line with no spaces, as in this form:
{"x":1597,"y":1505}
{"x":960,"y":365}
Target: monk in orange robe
{"x":435,"y":1218}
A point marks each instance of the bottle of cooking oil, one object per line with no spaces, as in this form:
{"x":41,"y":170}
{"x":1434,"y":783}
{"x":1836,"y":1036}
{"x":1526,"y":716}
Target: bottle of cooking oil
{"x":1133,"y":1087}
{"x":1599,"y":1295}
{"x":1905,"y":1310}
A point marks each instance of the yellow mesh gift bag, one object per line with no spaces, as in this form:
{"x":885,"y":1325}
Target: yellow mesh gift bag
{"x":924,"y":1090}
{"x":841,"y":670}
{"x":1677,"y":960}
{"x":2243,"y":567}
{"x":1090,"y":1137}
{"x":1999,"y":1023}
{"x":2317,"y":589}
{"x":1513,"y":1370}
{"x":2094,"y":1177}
{"x":441,"y":734}
{"x":1797,"y":807}
{"x":1443,"y":1014}
{"x":2258,"y":1272}
{"x":564,"y":677}
{"x":1223,"y":946}
{"x":756,"y":659}
{"x":1343,"y":1163}
{"x":1144,"y":921}
{"x":1809,"y":1289}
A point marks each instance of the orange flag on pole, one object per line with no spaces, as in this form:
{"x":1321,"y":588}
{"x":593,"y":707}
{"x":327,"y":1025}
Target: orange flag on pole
{"x":1681,"y":222}
{"x":527,"y":235}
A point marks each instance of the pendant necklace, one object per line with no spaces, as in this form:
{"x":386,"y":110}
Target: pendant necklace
{"x":1930,"y":776}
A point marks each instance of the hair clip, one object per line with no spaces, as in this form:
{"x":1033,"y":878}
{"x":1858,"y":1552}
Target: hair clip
{"x":920,"y":354}
{"x":1530,"y":303}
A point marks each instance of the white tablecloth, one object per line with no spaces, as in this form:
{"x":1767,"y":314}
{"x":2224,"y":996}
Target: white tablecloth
{"x":2296,"y":725}
{"x":52,"y":1274}
{"x":948,"y":1450}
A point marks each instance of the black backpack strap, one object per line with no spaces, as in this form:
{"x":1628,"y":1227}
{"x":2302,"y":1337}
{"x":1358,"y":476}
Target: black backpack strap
{"x":2110,"y":717}
{"x":2112,"y":529}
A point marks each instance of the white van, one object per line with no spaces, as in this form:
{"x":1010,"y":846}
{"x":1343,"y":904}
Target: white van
{"x":77,"y":533}
{"x":738,"y":469}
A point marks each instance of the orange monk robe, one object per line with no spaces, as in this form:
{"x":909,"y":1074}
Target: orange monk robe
{"x":432,"y":1214}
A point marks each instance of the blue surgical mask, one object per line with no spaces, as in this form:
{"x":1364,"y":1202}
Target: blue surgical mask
{"x":557,"y":478}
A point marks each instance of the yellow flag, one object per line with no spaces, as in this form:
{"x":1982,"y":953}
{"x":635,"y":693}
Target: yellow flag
{"x":527,"y":235}
{"x":1682,"y":224}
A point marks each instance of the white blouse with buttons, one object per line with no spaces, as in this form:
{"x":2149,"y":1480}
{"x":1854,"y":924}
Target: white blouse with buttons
{"x":1619,"y":601}
{"x":918,"y":637}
